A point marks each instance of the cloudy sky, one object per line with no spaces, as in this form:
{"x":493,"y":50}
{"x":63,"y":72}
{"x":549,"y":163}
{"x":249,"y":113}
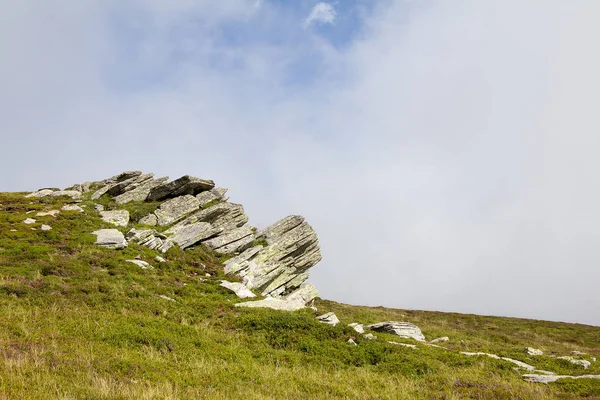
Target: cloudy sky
{"x":445,"y":152}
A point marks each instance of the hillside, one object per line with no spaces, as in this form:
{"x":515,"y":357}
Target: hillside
{"x":82,"y":321}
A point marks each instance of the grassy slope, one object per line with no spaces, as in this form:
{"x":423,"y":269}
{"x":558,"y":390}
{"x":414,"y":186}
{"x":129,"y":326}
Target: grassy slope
{"x":76,"y":321}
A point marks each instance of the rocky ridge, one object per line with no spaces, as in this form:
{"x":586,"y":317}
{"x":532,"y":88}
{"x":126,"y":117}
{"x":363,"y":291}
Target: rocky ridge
{"x":274,"y":261}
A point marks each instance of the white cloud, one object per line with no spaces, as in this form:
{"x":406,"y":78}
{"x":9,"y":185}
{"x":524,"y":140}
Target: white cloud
{"x":323,"y":13}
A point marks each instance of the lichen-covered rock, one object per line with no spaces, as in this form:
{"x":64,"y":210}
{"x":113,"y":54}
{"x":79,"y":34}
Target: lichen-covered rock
{"x":175,"y":209}
{"x":72,"y":207}
{"x":51,"y":213}
{"x":74,"y":194}
{"x":190,"y":235}
{"x":115,"y":217}
{"x":226,"y":215}
{"x":110,"y":238}
{"x":239,"y":289}
{"x":29,"y":221}
{"x":40,"y":193}
{"x":236,"y":264}
{"x":232,"y":237}
{"x":216,"y":194}
{"x":535,"y":378}
{"x":46,"y":227}
{"x":533,"y":352}
{"x":139,"y":191}
{"x":330,"y":318}
{"x":120,"y":185}
{"x":179,"y":187}
{"x":402,"y":329}
{"x":274,"y":303}
{"x":150,"y":220}
{"x":147,"y":237}
{"x":582,"y":363}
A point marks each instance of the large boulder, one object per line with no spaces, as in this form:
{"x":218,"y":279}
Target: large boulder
{"x":402,"y":329}
{"x":110,"y":238}
{"x":182,"y":186}
{"x":115,"y":217}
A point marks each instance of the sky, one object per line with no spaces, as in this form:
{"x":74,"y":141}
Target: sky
{"x":445,"y":152}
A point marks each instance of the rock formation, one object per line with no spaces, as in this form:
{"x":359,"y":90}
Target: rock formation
{"x":402,"y":329}
{"x":192,"y":211}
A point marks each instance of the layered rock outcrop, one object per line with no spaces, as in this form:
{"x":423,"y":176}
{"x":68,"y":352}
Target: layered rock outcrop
{"x":275,"y":261}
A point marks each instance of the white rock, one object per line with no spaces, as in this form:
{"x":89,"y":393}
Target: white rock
{"x":29,"y":221}
{"x":71,"y":207}
{"x":582,"y":363}
{"x":330,"y":318}
{"x":160,"y":259}
{"x":520,"y":364}
{"x":162,"y":296}
{"x":110,"y":238}
{"x":533,"y":352}
{"x":351,"y":341}
{"x":150,"y":220}
{"x":51,"y":213}
{"x":369,"y":336}
{"x":402,"y":329}
{"x":74,"y":194}
{"x":98,"y":207}
{"x":239,"y":289}
{"x":274,"y":303}
{"x":40,"y":193}
{"x":140,"y":263}
{"x":442,"y":339}
{"x":357,"y":327}
{"x":412,"y":346}
{"x":553,"y":378}
{"x":46,"y":227}
{"x":115,"y":217}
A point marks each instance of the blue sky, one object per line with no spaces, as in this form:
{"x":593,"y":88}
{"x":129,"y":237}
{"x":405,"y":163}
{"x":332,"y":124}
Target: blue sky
{"x":445,"y":152}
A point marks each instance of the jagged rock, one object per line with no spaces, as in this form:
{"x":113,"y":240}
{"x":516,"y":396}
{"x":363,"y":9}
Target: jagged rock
{"x":231,"y":241}
{"x":359,"y":328}
{"x":274,"y":303}
{"x":351,"y":341}
{"x":71,"y":207}
{"x":140,"y":263}
{"x":582,"y":363}
{"x":110,"y":238}
{"x":283,"y":265}
{"x":190,"y":235}
{"x":146,"y":237}
{"x":533,"y":352}
{"x":123,"y":176}
{"x":306,"y":293}
{"x":175,"y":209}
{"x":441,"y":339}
{"x":29,"y":221}
{"x":330,"y":318}
{"x":412,"y":346}
{"x":534,"y":378}
{"x":115,"y":217}
{"x":239,"y":288}
{"x":237,"y":246}
{"x":120,"y":186}
{"x":46,"y":227}
{"x":240,"y":262}
{"x":40,"y":193}
{"x":74,"y":194}
{"x":51,"y":213}
{"x":149,"y":220}
{"x":211,"y":195}
{"x":402,"y":329}
{"x":369,"y":336}
{"x":226,"y":215}
{"x":139,"y":191}
{"x":184,"y":185}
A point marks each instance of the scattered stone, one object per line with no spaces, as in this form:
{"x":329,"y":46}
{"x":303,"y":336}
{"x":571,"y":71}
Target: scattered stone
{"x":162,"y":296}
{"x":74,"y":194}
{"x":351,"y":341}
{"x":533,"y":352}
{"x":160,"y":259}
{"x":412,"y":346}
{"x":402,"y":329}
{"x":578,"y":353}
{"x":359,"y":328}
{"x":330,"y":318}
{"x":40,"y":193}
{"x":274,"y":303}
{"x":71,"y":207}
{"x":140,"y":263}
{"x":175,"y":209}
{"x":29,"y":221}
{"x":115,"y":217}
{"x":593,"y":359}
{"x":582,"y":363}
{"x":441,"y":339}
{"x":369,"y":336}
{"x":13,"y":230}
{"x":184,"y":185}
{"x":110,"y":238}
{"x":46,"y":227}
{"x":520,"y":364}
{"x":553,"y":378}
{"x":149,"y":220}
{"x":239,"y":289}
{"x":51,"y":213}
{"x":98,"y":207}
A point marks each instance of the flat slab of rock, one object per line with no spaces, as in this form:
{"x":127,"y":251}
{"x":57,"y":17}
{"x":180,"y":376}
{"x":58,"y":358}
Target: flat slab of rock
{"x":150,"y":220}
{"x":71,"y":207}
{"x":74,"y":194}
{"x":115,"y":217}
{"x":553,"y":378}
{"x":582,"y":363}
{"x":239,"y":289}
{"x":412,"y":346}
{"x":402,"y":329}
{"x":110,"y":238}
{"x":330,"y":319}
{"x":190,"y":235}
{"x":518,"y":363}
{"x":51,"y":213}
{"x":139,"y":191}
{"x":359,"y":328}
{"x":140,"y":263}
{"x":175,"y":209}
{"x":40,"y":193}
{"x":274,"y":303}
{"x":182,"y":186}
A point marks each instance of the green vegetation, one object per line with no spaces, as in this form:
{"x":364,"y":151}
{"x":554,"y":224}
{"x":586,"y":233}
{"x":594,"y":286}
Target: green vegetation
{"x":78,"y":322}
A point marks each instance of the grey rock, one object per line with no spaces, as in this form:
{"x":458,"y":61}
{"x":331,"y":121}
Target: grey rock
{"x":29,"y":221}
{"x":274,"y":303}
{"x":162,"y":296}
{"x":239,"y":289}
{"x":115,"y":217}
{"x":98,"y":207}
{"x":110,"y":238}
{"x":412,"y":346}
{"x":582,"y":363}
{"x":190,"y":235}
{"x":330,"y":319}
{"x":121,"y":186}
{"x":74,"y":194}
{"x":40,"y":193}
{"x":147,"y":237}
{"x":51,"y":213}
{"x":226,"y":215}
{"x":240,"y":262}
{"x":553,"y":378}
{"x":140,"y":263}
{"x":306,"y":293}
{"x":402,"y":329}
{"x":182,"y":186}
{"x":229,"y":237}
{"x":139,"y":191}
{"x":369,"y":336}
{"x":518,"y":363}
{"x":359,"y":328}
{"x":216,"y":194}
{"x":175,"y":209}
{"x":122,"y":177}
{"x":71,"y":207}
{"x":533,"y":352}
{"x":441,"y":339}
{"x":237,"y":246}
{"x":46,"y":227}
{"x":351,"y":341}
{"x":160,"y":259}
{"x":150,"y":220}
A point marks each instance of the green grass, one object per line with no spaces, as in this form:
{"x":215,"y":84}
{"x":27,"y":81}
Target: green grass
{"x":78,"y":322}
